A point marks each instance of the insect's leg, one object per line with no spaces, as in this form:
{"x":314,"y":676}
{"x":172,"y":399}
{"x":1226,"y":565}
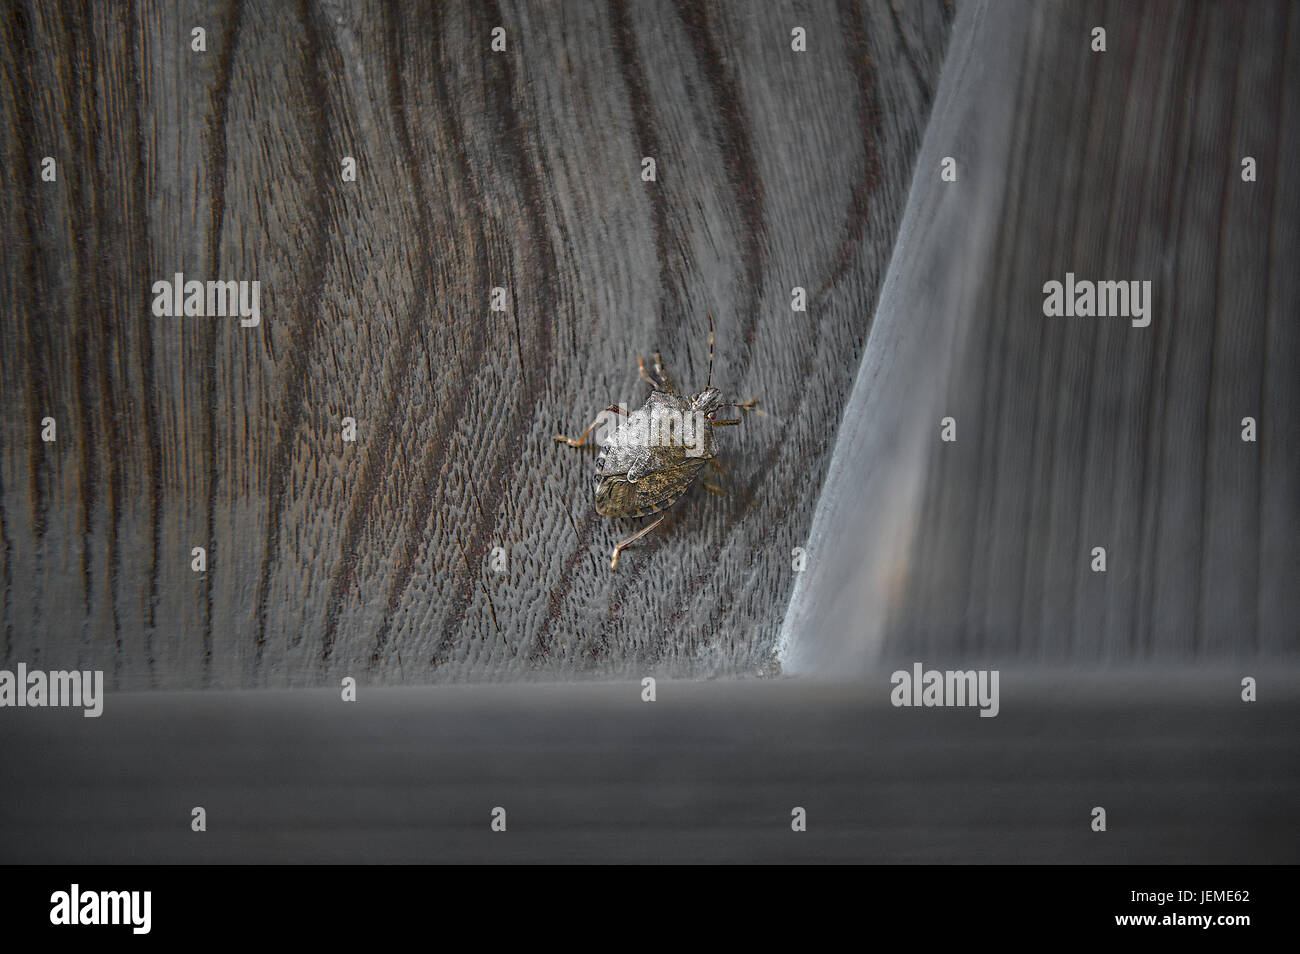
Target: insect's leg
{"x":750,"y":405}
{"x":620,"y":547}
{"x":717,"y":465}
{"x":582,"y":440}
{"x":657,"y":376}
{"x":645,"y":375}
{"x":660,"y":372}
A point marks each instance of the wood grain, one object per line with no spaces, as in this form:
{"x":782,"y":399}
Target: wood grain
{"x":1075,"y":433}
{"x":476,"y":169}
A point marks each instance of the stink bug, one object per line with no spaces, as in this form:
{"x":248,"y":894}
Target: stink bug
{"x":656,"y":454}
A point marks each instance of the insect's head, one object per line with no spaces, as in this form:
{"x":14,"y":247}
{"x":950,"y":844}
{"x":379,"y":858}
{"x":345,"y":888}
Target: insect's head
{"x":707,"y":401}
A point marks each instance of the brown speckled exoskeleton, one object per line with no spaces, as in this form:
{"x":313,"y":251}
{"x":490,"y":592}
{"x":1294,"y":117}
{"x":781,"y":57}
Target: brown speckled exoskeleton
{"x":637,"y":476}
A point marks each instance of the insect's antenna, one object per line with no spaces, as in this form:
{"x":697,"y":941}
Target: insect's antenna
{"x":709,"y":383}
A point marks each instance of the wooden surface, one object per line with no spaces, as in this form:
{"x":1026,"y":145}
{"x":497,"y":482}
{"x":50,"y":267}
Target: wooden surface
{"x":476,"y":169}
{"x":775,"y":169}
{"x":707,"y":774}
{"x":1074,"y":433}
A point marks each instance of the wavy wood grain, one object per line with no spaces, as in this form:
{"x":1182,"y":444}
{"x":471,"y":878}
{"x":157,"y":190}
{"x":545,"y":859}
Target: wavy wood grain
{"x":520,"y":170}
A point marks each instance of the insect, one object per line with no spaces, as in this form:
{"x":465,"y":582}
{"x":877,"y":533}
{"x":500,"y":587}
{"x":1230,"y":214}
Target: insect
{"x":655,"y":455}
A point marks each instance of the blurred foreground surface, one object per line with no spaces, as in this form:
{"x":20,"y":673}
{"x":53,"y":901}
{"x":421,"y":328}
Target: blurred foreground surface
{"x":707,"y":773}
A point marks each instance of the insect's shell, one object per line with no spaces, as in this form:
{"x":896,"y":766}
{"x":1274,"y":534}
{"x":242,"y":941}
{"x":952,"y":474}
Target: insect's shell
{"x":662,"y":473}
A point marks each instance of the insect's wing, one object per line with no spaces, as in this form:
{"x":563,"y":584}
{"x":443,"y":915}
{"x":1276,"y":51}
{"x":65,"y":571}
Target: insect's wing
{"x":658,"y":490}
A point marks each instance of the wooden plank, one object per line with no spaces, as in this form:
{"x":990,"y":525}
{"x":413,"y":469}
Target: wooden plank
{"x":1187,"y":774}
{"x":518,"y":170}
{"x":1074,"y":433}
